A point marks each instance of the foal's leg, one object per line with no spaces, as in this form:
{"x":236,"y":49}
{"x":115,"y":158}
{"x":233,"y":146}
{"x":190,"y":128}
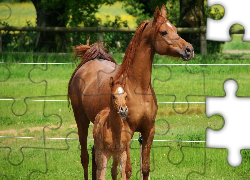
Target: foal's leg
{"x":123,"y":159}
{"x":102,"y":163}
{"x":114,"y":170}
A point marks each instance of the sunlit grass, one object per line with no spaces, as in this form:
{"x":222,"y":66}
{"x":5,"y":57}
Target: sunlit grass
{"x":115,"y":10}
{"x":17,"y":14}
{"x":170,"y":124}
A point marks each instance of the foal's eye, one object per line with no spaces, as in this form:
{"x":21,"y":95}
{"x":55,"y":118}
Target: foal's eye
{"x":113,"y":97}
{"x":126,"y":97}
{"x":163,"y":33}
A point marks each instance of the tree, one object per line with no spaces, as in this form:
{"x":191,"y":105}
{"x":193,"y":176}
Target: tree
{"x":144,"y":9}
{"x":192,"y":15}
{"x":64,"y":13}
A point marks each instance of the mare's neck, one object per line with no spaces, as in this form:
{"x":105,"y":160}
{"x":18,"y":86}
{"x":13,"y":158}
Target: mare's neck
{"x":141,"y":67}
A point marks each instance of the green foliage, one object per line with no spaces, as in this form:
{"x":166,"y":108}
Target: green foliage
{"x":143,"y":10}
{"x":113,"y":38}
{"x":22,"y":41}
{"x":77,"y":12}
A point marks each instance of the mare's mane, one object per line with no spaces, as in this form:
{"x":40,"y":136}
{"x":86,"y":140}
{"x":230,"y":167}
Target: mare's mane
{"x":88,"y":53}
{"x":131,"y":50}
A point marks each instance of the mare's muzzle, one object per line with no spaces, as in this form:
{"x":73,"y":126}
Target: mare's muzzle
{"x":189,"y":53}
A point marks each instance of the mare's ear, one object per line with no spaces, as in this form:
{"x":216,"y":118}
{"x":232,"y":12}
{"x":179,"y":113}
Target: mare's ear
{"x":163,"y":11}
{"x":157,"y":13}
{"x":111,"y":82}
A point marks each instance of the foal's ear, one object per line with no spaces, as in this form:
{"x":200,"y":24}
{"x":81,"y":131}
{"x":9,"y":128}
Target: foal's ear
{"x":111,"y":82}
{"x":163,"y":11}
{"x":157,"y":13}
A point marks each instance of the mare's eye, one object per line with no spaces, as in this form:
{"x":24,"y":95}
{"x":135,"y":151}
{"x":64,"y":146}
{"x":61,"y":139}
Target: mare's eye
{"x":126,"y":97}
{"x":113,"y":97}
{"x":163,"y":33}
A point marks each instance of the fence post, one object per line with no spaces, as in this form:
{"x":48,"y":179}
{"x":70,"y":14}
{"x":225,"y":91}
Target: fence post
{"x":203,"y":40}
{"x":1,"y":42}
{"x":100,"y":37}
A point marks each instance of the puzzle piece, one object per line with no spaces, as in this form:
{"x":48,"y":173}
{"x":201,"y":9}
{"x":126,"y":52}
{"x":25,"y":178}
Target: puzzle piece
{"x":20,"y":152}
{"x":179,"y":92}
{"x":220,"y":169}
{"x":236,"y":118}
{"x":21,"y":80}
{"x":218,"y":30}
{"x":174,"y":122}
{"x":193,"y":161}
{"x":6,"y":12}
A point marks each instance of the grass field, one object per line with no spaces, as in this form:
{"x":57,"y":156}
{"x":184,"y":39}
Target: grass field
{"x":61,"y":159}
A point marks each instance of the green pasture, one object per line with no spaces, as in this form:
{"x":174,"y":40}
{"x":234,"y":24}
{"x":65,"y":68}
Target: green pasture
{"x":60,"y":159}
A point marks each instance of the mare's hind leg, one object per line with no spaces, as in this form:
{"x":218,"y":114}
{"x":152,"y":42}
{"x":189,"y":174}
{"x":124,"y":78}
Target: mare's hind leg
{"x":94,"y":166}
{"x":83,"y":125}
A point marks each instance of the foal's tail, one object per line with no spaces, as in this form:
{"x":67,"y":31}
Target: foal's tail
{"x":88,"y":53}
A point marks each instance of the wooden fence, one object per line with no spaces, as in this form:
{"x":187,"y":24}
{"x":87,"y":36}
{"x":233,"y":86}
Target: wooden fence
{"x":100,"y":30}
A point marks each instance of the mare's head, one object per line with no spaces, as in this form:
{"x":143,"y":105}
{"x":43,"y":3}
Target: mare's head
{"x":119,"y":97}
{"x":164,"y":36}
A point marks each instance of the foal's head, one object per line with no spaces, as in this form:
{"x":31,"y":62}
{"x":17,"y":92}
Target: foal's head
{"x":119,"y":97}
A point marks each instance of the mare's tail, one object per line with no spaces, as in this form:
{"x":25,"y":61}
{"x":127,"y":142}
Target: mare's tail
{"x":88,"y":53}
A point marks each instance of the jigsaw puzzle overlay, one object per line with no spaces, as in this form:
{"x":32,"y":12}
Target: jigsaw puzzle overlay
{"x":235,"y":13}
{"x":234,"y":109}
{"x":197,"y":133}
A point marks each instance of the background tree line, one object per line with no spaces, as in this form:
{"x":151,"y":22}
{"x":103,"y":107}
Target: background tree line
{"x":58,"y":13}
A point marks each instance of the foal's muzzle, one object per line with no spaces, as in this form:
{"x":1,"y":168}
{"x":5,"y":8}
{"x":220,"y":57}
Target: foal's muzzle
{"x":123,"y":111}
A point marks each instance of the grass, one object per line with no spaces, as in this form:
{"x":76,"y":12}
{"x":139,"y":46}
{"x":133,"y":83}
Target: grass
{"x":236,"y":43}
{"x":63,"y":157}
{"x":10,"y":13}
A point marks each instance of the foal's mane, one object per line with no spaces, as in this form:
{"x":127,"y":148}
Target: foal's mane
{"x":131,"y":49}
{"x":88,"y":53}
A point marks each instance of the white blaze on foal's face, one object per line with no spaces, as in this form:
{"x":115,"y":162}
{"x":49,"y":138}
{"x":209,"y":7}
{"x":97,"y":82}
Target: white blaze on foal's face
{"x":119,"y":97}
{"x":120,"y":90}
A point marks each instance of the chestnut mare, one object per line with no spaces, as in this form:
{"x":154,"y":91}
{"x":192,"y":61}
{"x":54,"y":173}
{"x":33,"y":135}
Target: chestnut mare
{"x":111,"y":135}
{"x":89,"y":89}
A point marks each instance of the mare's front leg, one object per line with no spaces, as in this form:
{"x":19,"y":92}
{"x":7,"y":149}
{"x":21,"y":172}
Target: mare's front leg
{"x":147,"y":139}
{"x":128,"y":169}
